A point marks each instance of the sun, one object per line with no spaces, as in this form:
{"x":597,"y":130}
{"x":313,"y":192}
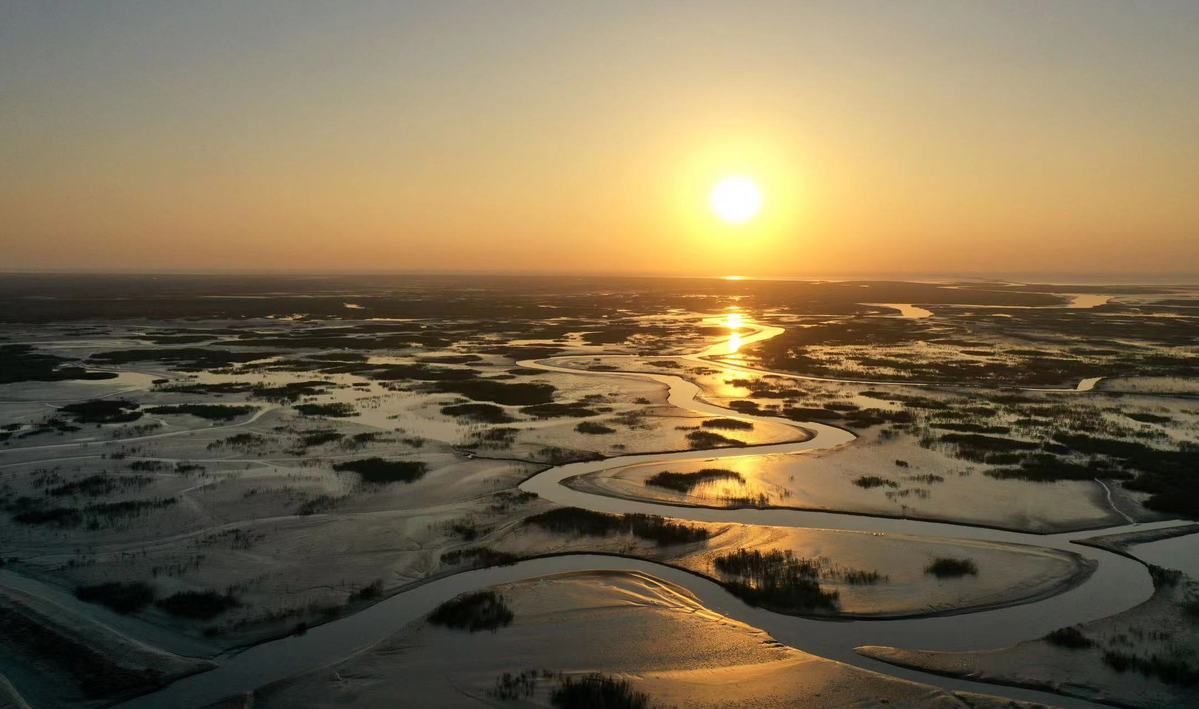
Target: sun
{"x":736,"y":199}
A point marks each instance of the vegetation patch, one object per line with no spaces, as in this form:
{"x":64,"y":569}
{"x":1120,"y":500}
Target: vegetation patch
{"x":592,"y":428}
{"x":944,"y":567}
{"x":518,"y":394}
{"x":198,"y":605}
{"x":726,"y":424}
{"x":483,"y":610}
{"x":211,"y":412}
{"x":483,"y":413}
{"x":378,"y":471}
{"x":123,"y":598}
{"x":1070,"y":638}
{"x":550,"y":411}
{"x":103,"y":411}
{"x":707,"y":439}
{"x":338,"y":409}
{"x":21,"y":363}
{"x":777,"y":579}
{"x":596,"y":691}
{"x":574,"y":520}
{"x":869,"y":482}
{"x":686,"y":482}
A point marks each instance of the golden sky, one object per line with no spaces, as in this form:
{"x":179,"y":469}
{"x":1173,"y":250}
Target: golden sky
{"x":887,"y":138}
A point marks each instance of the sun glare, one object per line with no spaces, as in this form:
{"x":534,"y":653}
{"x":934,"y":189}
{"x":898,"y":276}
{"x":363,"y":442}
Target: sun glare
{"x":736,"y":199}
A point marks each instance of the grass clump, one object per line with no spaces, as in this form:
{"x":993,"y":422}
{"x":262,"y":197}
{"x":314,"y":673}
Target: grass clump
{"x":868,"y":482}
{"x":573,"y":520}
{"x":335,"y":410}
{"x":686,"y":482}
{"x":1070,"y":638}
{"x":593,"y":429}
{"x":597,"y":691}
{"x":519,"y":394}
{"x":209,"y":412}
{"x":726,"y":424}
{"x":707,"y":439}
{"x":103,"y":411}
{"x":378,"y":471}
{"x":198,"y":605}
{"x":120,"y":597}
{"x":483,"y":413}
{"x":944,"y":567}
{"x":777,"y":579}
{"x":483,"y":610}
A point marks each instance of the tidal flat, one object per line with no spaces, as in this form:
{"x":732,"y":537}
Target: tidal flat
{"x":183,"y":476}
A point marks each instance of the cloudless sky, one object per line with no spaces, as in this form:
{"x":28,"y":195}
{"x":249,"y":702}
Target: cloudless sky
{"x":888,"y":137}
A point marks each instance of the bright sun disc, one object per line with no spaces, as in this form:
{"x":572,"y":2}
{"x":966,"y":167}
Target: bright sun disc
{"x":736,"y":199}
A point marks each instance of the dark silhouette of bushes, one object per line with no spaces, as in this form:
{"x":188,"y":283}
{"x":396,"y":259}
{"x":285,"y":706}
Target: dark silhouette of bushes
{"x":707,"y":439}
{"x":198,"y":605}
{"x":123,"y":598}
{"x":55,"y":516}
{"x":596,"y":691}
{"x":573,"y":520}
{"x":483,"y":610}
{"x":594,"y":429}
{"x":868,"y":482}
{"x":378,"y":471}
{"x":944,"y":567}
{"x":552,"y":411}
{"x":21,"y":363}
{"x":103,"y":411}
{"x":1171,"y":670}
{"x":319,"y":438}
{"x":1069,"y":637}
{"x":725,"y":424}
{"x":211,"y":412}
{"x":335,"y":410}
{"x":483,"y":413}
{"x":479,"y":557}
{"x":519,"y":394}
{"x":776,"y":579}
{"x":686,"y":482}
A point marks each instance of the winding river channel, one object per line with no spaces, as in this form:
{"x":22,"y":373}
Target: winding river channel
{"x":1117,"y":583}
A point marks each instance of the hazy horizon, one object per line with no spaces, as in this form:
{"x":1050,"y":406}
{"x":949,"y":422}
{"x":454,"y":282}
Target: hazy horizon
{"x":909,"y":140}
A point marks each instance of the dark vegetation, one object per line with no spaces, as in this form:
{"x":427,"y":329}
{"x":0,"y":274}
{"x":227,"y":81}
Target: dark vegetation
{"x":21,"y":363}
{"x":121,"y":597}
{"x":1171,"y":669}
{"x":573,"y":520}
{"x":482,"y":610}
{"x":102,"y":411}
{"x":945,"y":567}
{"x":593,"y":428}
{"x":596,"y":691}
{"x":483,"y":413}
{"x":707,"y":439}
{"x":775,"y":579}
{"x":519,"y":394}
{"x":872,"y":481}
{"x":479,"y":557}
{"x":378,"y":471}
{"x":1070,"y":638}
{"x":212,"y":412}
{"x":198,"y":605}
{"x":686,"y":482}
{"x":726,"y":424}
{"x":337,"y":409}
{"x":548,"y":411}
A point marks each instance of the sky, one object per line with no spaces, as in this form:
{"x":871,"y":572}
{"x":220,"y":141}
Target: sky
{"x":915,"y":137}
